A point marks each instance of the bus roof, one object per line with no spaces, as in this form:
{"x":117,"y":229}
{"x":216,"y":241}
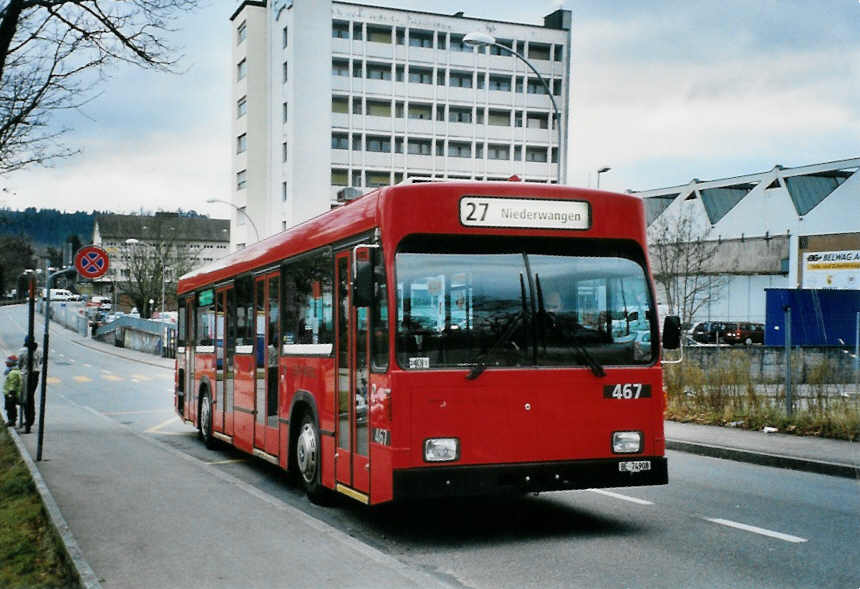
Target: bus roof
{"x":431,"y":207}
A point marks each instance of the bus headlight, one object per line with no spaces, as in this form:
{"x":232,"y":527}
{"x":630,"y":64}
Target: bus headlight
{"x":441,"y":449}
{"x":626,"y":442}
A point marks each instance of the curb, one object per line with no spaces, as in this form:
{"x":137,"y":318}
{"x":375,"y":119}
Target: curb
{"x":85,"y":573}
{"x":765,"y":459}
{"x":118,"y":355}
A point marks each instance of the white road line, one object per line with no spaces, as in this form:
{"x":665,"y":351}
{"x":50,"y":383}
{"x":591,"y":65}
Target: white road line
{"x":756,"y":530}
{"x":635,"y":500}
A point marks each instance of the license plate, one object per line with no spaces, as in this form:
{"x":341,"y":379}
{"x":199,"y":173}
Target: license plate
{"x":634,"y":466}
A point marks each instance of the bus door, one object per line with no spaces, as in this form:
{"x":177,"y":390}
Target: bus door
{"x":352,"y":464}
{"x":222,"y":405}
{"x":190,"y":344}
{"x":267,"y":336}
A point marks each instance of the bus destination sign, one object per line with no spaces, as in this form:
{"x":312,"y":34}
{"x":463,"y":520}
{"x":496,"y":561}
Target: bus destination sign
{"x":524,"y":213}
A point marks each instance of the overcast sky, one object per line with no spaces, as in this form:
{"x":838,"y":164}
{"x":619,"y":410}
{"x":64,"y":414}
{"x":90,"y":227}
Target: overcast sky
{"x":662,"y":92}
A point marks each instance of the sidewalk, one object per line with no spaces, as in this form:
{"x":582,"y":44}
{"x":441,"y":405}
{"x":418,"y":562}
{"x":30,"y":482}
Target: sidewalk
{"x":808,"y":453}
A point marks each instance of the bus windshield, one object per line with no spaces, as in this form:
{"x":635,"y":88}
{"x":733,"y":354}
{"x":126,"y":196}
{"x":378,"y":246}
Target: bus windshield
{"x":465,"y":302}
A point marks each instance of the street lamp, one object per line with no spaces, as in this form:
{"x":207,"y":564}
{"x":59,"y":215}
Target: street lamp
{"x":133,"y":241}
{"x":239,"y":210}
{"x":600,"y":171}
{"x":479,"y":39}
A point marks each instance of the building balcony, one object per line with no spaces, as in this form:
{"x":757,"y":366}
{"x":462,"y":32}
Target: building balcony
{"x":537,"y":135}
{"x":457,"y":130}
{"x":422,"y":54}
{"x":380,"y":50}
{"x":541,"y":101}
{"x":500,"y":98}
{"x":459,"y":165}
{"x":419,"y":162}
{"x":341,"y":46}
{"x":341,"y":83}
{"x":382,"y":124}
{"x":420,"y":126}
{"x":497,"y":134}
{"x":463,"y":59}
{"x":422,"y":91}
{"x":541,"y":169}
{"x":378,"y":86}
{"x":500,"y":167}
{"x":340,"y":120}
{"x":340,"y":157}
{"x":374,"y":159}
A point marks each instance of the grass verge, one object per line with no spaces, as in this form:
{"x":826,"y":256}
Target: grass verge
{"x":31,"y":553}
{"x":725,"y":394}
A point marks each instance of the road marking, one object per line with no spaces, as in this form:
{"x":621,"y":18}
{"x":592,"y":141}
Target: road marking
{"x":140,"y":377}
{"x":104,"y":371}
{"x":88,"y":365}
{"x":53,"y":380}
{"x":137,"y":412}
{"x":111,"y":377}
{"x":635,"y":500}
{"x":756,"y":530}
{"x":155,"y":429}
{"x":82,"y":378}
{"x":230,"y":461}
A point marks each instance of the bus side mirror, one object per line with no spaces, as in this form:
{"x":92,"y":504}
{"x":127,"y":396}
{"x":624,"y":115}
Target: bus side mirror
{"x":671,"y":332}
{"x":362,"y":285}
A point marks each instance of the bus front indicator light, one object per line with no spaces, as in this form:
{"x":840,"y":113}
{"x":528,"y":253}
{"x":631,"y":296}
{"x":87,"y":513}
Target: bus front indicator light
{"x":626,"y":442}
{"x":441,"y":449}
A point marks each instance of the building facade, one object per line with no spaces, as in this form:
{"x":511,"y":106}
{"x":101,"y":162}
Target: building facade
{"x":332,"y":99}
{"x":784,"y":228}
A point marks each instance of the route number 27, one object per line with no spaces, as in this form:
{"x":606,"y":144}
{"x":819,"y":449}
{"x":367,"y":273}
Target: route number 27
{"x":627,"y":391}
{"x":476,"y":211}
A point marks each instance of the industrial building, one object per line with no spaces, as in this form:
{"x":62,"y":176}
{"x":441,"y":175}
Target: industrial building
{"x":783,"y":228}
{"x":332,"y":99}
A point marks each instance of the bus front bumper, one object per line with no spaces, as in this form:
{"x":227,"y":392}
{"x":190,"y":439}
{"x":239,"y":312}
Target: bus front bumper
{"x":494,"y":479}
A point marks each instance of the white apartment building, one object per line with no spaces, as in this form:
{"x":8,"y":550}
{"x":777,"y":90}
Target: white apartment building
{"x":332,"y":99}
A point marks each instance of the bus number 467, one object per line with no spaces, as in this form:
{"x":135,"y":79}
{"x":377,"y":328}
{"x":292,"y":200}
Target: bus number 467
{"x":627,"y":391}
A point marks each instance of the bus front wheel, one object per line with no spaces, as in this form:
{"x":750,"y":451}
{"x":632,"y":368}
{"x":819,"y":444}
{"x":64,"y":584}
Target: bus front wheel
{"x":308,"y":459}
{"x":204,"y":421}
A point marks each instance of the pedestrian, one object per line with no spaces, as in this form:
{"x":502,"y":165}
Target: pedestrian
{"x":12,"y":389}
{"x":31,"y":381}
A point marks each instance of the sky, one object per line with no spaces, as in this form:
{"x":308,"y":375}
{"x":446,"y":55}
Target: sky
{"x":662,"y":92}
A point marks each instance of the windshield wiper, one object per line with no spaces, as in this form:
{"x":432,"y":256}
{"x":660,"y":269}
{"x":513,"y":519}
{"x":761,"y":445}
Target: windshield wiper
{"x":590,"y":360}
{"x":481,"y":364}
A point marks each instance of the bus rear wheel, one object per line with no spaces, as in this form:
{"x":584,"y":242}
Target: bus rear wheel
{"x":204,"y":421}
{"x":307,"y":454}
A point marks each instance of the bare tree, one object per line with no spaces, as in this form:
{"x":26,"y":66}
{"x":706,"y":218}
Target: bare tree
{"x":162,"y":258}
{"x":682,"y":261}
{"x":53,"y":54}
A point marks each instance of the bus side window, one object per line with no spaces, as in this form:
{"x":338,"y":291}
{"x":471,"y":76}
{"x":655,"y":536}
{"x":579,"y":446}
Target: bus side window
{"x":379,"y":319}
{"x":307,"y":312}
{"x":244,"y":311}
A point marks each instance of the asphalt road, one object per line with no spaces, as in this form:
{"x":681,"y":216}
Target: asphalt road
{"x":717,"y":524}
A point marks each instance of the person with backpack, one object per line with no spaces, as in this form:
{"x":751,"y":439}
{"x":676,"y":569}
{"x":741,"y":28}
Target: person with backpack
{"x":12,"y":387}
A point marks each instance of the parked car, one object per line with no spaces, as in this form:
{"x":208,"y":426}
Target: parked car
{"x":60,"y":294}
{"x":103,"y":303}
{"x":745,"y":333}
{"x":706,"y":331}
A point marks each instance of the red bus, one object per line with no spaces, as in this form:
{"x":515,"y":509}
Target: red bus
{"x":436,"y":339}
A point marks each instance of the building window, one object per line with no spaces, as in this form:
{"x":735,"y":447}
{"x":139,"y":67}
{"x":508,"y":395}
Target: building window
{"x":377,"y":34}
{"x":440,"y":77}
{"x":340,"y":29}
{"x":339,"y":141}
{"x":401,"y":36}
{"x":495,"y":50}
{"x":398,"y":109}
{"x":284,"y":151}
{"x":398,"y":145}
{"x":419,"y":146}
{"x":518,"y":118}
{"x":241,"y":69}
{"x":356,"y":106}
{"x":479,"y":151}
{"x":501,"y":83}
{"x":556,"y":87}
{"x":460,"y":79}
{"x":357,"y":31}
{"x":284,"y":73}
{"x":241,"y":179}
{"x":357,"y":68}
{"x":537,"y":120}
{"x":356,"y":178}
{"x":283,"y":225}
{"x":539,"y":51}
{"x":378,"y":143}
{"x":518,"y":152}
{"x":459,"y":114}
{"x":420,"y":111}
{"x":284,"y":38}
{"x":241,"y":107}
{"x":519,"y":85}
{"x":339,"y":67}
{"x":378,"y":179}
{"x":377,"y":108}
{"x":241,"y":217}
{"x":479,"y":115}
{"x":241,"y":32}
{"x":398,"y":73}
{"x":339,"y":177}
{"x":284,"y":191}
{"x":558,"y":53}
{"x":499,"y":118}
{"x":497,"y":151}
{"x":286,"y":112}
{"x":458,"y":45}
{"x":535,"y":87}
{"x":376,"y":71}
{"x":357,"y":140}
{"x":440,"y":41}
{"x":242,"y":143}
{"x":458,"y":149}
{"x":481,"y":78}
{"x":419,"y":38}
{"x":340,"y":104}
{"x":420,"y":75}
{"x":536,"y":154}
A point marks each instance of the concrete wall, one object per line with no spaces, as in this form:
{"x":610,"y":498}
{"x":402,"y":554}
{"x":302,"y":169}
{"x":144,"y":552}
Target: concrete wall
{"x":767,"y":364}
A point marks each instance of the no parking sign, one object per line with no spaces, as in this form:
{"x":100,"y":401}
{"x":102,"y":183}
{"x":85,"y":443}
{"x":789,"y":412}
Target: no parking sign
{"x":91,"y":261}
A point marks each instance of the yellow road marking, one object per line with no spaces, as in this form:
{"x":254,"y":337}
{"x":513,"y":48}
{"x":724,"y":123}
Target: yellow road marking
{"x":140,"y":377}
{"x":137,"y":412}
{"x":155,"y":429}
{"x":81,"y":379}
{"x":53,"y":380}
{"x":111,"y":377}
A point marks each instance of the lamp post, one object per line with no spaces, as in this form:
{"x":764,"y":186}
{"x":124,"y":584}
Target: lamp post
{"x":478,"y":39}
{"x":133,"y":241}
{"x":238,"y":210}
{"x":600,"y":171}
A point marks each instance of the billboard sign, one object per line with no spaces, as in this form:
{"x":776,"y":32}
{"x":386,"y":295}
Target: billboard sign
{"x":838,"y":269}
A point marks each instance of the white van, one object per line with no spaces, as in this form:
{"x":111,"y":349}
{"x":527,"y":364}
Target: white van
{"x":61,"y":294}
